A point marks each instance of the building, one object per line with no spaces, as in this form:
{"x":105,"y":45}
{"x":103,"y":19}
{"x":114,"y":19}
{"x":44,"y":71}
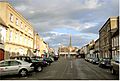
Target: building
{"x":105,"y":36}
{"x":18,"y":38}
{"x":84,"y":51}
{"x":51,"y":51}
{"x":67,"y":50}
{"x":43,"y":47}
{"x":115,"y":44}
{"x":96,"y":49}
{"x":2,"y":38}
{"x":37,"y":43}
{"x":91,"y":48}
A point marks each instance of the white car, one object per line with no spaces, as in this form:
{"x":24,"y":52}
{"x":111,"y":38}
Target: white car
{"x":12,"y":66}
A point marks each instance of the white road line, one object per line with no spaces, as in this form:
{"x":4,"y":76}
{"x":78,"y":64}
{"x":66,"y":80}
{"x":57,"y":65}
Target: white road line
{"x":71,"y":64}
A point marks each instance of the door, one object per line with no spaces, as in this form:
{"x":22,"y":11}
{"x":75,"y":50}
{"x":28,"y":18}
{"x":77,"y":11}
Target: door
{"x":1,"y":54}
{"x":9,"y":67}
{"x":14,"y":67}
{"x":3,"y":68}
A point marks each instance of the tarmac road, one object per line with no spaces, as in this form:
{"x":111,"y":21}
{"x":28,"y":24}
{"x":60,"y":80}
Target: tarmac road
{"x":69,"y":69}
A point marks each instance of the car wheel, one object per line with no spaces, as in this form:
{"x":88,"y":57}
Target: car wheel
{"x":99,"y":65}
{"x":39,"y":69}
{"x":113,"y":71}
{"x":23,"y":72}
{"x":49,"y":64}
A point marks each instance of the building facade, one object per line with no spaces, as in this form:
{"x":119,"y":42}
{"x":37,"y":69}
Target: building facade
{"x":19,"y":32}
{"x":67,"y":50}
{"x":96,"y":49}
{"x":37,"y":43}
{"x":2,"y":39}
{"x":115,"y":44}
{"x":92,"y":49}
{"x":105,"y":42}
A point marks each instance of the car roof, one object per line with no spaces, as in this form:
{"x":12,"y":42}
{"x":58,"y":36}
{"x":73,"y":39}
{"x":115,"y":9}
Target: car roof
{"x":23,"y":62}
{"x":19,"y":57}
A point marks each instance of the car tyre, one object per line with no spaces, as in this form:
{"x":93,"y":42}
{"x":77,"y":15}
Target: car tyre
{"x":23,"y":72}
{"x":39,"y":69}
{"x":49,"y":64}
{"x":113,"y":71}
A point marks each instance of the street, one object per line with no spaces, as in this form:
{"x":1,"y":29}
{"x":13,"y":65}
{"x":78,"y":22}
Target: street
{"x":68,"y":69}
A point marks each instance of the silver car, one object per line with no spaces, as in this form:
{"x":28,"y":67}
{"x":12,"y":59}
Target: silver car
{"x":12,"y":66}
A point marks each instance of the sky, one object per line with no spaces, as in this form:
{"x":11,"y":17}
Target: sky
{"x":56,"y":20}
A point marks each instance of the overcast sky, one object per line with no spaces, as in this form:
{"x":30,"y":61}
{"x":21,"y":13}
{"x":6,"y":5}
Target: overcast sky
{"x":55,"y":20}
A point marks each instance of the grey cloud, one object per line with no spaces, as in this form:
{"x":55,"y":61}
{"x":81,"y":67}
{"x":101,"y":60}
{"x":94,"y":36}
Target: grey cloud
{"x":46,"y":15}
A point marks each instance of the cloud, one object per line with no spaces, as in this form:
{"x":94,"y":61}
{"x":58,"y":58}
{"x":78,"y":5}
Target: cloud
{"x":54,"y":20}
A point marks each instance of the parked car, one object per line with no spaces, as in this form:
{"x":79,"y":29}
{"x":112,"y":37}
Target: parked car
{"x":52,"y":58}
{"x":40,"y":59}
{"x":115,"y":65}
{"x":55,"y":57}
{"x":37,"y":65}
{"x":105,"y":62}
{"x":12,"y":66}
{"x":90,"y":59}
{"x":87,"y":59}
{"x":95,"y":61}
{"x":48,"y":60}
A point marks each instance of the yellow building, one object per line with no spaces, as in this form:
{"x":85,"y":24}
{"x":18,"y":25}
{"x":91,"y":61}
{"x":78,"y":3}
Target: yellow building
{"x":67,"y":50}
{"x":43,"y":47}
{"x":19,"y":32}
{"x":37,"y":43}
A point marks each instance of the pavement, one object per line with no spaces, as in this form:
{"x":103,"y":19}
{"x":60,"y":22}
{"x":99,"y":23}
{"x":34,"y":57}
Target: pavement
{"x":68,"y":69}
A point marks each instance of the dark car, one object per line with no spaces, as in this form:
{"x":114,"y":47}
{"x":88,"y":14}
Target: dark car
{"x":48,"y":60}
{"x":115,"y":63}
{"x":40,"y":59}
{"x":95,"y":61}
{"x":37,"y":65}
{"x":105,"y":62}
{"x":55,"y":57}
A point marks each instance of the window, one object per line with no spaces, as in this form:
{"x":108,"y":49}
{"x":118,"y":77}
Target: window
{"x":25,"y":28}
{"x":30,"y":31}
{"x":5,"y":63}
{"x":20,"y":39}
{"x":16,"y":36}
{"x":11,"y":17}
{"x":13,"y":63}
{"x":17,"y":21}
{"x":10,"y":37}
{"x":112,"y":42}
{"x":21,"y":25}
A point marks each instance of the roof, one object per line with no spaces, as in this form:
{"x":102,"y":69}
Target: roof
{"x":114,"y":17}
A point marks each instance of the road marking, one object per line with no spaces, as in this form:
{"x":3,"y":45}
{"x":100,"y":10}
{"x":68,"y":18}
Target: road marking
{"x":71,"y":64}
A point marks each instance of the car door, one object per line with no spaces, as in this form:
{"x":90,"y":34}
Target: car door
{"x":14,"y":67}
{"x":4,"y":68}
